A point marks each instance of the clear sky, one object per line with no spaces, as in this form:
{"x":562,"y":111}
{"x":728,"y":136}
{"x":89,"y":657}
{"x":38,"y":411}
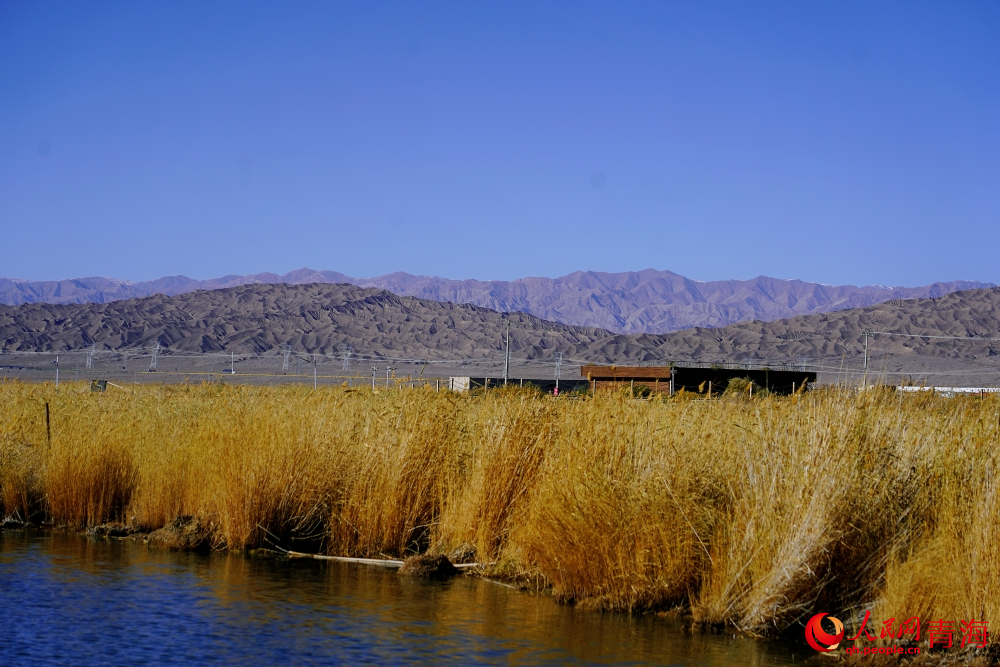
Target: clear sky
{"x":836,"y":142}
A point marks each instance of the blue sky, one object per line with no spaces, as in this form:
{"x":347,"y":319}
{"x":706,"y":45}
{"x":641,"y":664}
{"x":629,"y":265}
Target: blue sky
{"x":835,"y":142}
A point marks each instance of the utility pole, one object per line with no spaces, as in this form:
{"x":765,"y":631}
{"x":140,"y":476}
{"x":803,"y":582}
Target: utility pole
{"x":506,"y":356}
{"x":387,"y":370}
{"x":558,"y":372}
{"x":57,"y":372}
{"x":315,"y":363}
{"x":156,"y":352}
{"x":232,"y":363}
{"x":374,"y":371}
{"x":90,"y":357}
{"x":864,"y":381}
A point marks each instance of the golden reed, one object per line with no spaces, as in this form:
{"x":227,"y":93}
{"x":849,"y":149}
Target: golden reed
{"x":751,"y":513}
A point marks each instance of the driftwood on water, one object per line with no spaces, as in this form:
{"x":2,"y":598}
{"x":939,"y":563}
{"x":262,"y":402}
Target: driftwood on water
{"x":381,"y":562}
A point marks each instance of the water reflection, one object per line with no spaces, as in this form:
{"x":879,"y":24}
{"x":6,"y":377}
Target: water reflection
{"x":68,"y":599}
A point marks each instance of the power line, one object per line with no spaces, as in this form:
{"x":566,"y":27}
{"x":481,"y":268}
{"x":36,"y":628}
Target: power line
{"x":964,"y":338}
{"x":557,"y":362}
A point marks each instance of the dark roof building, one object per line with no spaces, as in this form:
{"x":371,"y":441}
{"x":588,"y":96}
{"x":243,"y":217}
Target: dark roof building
{"x":699,"y":379}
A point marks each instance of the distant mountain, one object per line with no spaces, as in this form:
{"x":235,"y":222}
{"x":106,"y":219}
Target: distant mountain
{"x":646,"y":301}
{"x":14,"y":292}
{"x":326,"y":319}
{"x":312,"y":318}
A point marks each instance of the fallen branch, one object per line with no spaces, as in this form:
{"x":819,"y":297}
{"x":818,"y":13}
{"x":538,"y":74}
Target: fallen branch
{"x":381,"y":562}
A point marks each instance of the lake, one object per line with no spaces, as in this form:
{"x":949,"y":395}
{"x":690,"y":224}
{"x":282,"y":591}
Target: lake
{"x":70,"y":599}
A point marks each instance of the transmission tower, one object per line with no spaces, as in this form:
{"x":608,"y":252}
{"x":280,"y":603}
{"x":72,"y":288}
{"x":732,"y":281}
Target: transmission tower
{"x":90,"y":357}
{"x":156,"y":353}
{"x":347,"y":358}
{"x":288,"y":353}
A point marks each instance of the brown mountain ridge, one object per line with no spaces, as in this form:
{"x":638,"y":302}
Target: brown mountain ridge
{"x":648,"y":301}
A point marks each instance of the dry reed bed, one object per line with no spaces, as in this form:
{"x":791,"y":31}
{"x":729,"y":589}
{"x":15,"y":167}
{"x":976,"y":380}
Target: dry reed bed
{"x":748,"y":513}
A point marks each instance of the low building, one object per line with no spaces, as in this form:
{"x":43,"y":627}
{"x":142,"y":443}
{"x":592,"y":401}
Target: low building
{"x":698,"y":379}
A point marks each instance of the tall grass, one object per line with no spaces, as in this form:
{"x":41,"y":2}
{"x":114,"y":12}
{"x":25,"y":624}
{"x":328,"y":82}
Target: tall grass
{"x":750,"y":513}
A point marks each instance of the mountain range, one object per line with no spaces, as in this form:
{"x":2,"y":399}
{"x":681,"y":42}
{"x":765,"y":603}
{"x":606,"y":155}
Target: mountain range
{"x":957,"y":334}
{"x":634,"y":302}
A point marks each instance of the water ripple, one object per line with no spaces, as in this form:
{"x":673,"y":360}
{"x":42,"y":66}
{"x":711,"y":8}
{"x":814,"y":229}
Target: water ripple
{"x":68,"y":599}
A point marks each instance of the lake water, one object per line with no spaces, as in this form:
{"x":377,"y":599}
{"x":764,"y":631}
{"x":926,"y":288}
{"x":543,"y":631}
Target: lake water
{"x":69,"y":599}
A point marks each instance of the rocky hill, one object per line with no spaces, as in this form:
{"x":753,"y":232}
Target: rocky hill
{"x":634,"y":302}
{"x":314,"y":318}
{"x":948,"y":334}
